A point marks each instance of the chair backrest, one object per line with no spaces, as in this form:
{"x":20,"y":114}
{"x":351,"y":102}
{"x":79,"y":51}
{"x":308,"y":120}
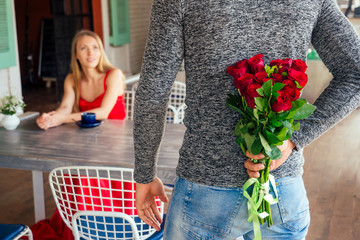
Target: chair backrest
{"x":129,"y":98}
{"x":105,"y":190}
{"x":176,"y":106}
{"x":15,"y":231}
{"x":91,"y":224}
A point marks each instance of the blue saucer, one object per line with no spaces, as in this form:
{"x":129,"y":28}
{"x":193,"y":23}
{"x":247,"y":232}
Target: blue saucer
{"x":88,"y":125}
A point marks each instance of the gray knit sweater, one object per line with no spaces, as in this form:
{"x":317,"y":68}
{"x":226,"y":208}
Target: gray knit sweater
{"x":211,"y":35}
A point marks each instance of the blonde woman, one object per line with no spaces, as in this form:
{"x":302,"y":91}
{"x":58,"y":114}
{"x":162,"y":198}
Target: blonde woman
{"x":93,"y":85}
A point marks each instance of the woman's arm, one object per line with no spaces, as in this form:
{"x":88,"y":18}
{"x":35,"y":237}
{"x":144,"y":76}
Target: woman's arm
{"x":63,"y":112}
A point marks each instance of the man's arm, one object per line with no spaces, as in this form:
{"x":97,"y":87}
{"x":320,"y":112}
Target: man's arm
{"x":162,"y":59}
{"x":338,"y":45}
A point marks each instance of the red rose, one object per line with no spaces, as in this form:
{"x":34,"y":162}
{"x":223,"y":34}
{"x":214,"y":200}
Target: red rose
{"x":277,"y":77}
{"x":283,"y":64}
{"x":239,"y":68}
{"x":282,"y":103}
{"x":261,"y":77}
{"x":243,"y":82}
{"x":290,"y":89}
{"x":242,"y":64}
{"x":299,"y":65}
{"x":257,"y":64}
{"x":251,"y":93}
{"x":298,"y":76}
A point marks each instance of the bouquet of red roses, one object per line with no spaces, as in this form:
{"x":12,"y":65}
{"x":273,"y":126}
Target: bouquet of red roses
{"x":268,"y":99}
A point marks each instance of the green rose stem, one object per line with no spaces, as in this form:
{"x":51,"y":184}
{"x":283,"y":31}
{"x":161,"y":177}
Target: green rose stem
{"x":264,"y":177}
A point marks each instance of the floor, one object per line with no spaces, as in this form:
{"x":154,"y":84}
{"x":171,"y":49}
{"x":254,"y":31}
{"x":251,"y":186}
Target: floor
{"x":331,"y":175}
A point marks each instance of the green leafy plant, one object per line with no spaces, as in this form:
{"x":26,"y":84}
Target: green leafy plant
{"x":10,"y":104}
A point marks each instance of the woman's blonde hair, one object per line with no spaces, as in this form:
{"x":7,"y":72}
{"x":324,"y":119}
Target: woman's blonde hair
{"x":103,"y":66}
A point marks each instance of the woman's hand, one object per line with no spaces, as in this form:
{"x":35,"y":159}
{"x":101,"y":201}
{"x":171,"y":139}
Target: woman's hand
{"x":253,"y":169}
{"x":42,"y":121}
{"x":49,"y":120}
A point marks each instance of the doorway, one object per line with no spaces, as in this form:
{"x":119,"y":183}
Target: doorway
{"x":64,"y":18}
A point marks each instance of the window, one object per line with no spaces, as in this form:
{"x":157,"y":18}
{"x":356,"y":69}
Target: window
{"x":7,"y":41}
{"x":120,"y":24}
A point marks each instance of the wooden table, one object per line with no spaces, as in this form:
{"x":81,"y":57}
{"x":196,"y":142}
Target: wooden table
{"x":110,"y":144}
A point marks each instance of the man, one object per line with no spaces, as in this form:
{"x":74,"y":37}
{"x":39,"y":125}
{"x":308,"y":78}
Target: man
{"x":207,"y":201}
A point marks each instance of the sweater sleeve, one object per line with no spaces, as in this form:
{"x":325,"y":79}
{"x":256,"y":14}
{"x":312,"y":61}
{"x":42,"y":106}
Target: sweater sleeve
{"x":338,"y":45}
{"x":162,"y":59}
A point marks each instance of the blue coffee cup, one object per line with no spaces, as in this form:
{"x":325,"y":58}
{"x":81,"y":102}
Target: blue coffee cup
{"x":88,"y":118}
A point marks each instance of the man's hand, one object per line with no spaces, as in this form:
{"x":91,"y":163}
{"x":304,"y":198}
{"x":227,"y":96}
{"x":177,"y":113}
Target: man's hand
{"x":145,"y":202}
{"x":253,"y":169}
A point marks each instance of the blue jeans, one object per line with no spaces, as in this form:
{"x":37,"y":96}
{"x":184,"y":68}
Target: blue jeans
{"x":204,"y":212}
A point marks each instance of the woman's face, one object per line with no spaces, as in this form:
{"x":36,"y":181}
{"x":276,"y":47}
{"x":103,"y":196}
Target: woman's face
{"x":88,"y":52}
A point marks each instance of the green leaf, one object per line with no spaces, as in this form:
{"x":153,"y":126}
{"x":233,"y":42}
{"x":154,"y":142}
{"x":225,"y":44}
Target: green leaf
{"x":251,"y":125}
{"x":244,"y":129}
{"x":296,"y":126}
{"x":243,"y":148}
{"x":272,"y":115}
{"x":288,"y":125}
{"x":295,"y":107}
{"x":282,"y":115}
{"x":275,"y":123}
{"x":250,"y":112}
{"x":304,"y":111}
{"x":268,"y":70}
{"x":267,"y":88}
{"x":264,"y":142}
{"x":281,"y":134}
{"x":241,"y":142}
{"x":275,"y":95}
{"x":255,"y":112}
{"x":238,"y":128}
{"x":278,"y":86}
{"x":274,"y":152}
{"x":249,"y":140}
{"x":234,"y":108}
{"x":256,"y":147}
{"x":260,"y":91}
{"x":272,"y":138}
{"x":260,"y":103}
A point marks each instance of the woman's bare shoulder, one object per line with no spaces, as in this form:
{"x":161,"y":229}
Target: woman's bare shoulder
{"x":116,"y":74}
{"x":69,"y":79}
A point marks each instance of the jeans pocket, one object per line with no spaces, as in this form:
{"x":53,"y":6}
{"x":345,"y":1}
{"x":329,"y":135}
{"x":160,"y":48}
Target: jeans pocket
{"x":209,"y":212}
{"x":293,"y":203}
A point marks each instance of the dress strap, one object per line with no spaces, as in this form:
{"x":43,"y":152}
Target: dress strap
{"x":107,"y":73}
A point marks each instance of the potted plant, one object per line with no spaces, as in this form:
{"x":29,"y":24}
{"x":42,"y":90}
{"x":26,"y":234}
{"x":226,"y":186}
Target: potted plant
{"x":9,"y":106}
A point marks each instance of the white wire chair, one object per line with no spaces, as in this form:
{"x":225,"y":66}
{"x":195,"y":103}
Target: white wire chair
{"x":176,"y":106}
{"x":99,"y":203}
{"x":129,"y":98}
{"x":15,"y":231}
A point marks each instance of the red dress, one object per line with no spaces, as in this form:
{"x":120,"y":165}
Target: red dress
{"x":119,"y":110}
{"x":55,"y":228}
